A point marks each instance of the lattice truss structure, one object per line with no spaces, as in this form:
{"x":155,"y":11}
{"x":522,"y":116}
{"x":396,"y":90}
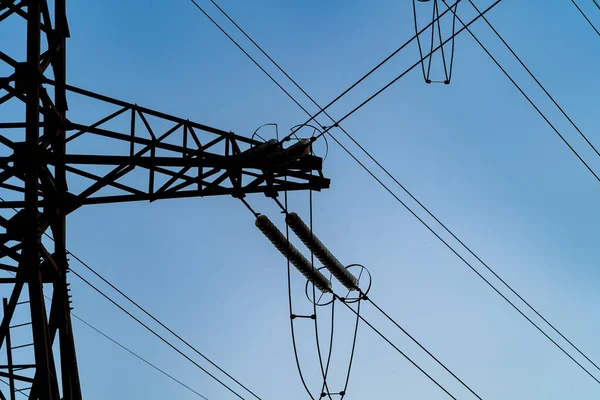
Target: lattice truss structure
{"x":51,"y":164}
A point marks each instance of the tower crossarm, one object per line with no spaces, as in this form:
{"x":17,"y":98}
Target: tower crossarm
{"x":133,"y":153}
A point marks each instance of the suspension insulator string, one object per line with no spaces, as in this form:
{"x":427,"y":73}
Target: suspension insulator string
{"x":328,"y":260}
{"x":293,"y":254}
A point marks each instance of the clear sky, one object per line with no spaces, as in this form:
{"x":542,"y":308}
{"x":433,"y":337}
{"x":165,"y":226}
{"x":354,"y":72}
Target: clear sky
{"x":475,"y":152}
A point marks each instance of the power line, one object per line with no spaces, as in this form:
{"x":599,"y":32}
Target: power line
{"x":441,"y":45}
{"x":124,"y":348}
{"x":324,"y":371}
{"x":148,"y":328}
{"x":535,"y":79}
{"x":137,"y":356}
{"x":420,"y":345}
{"x":289,"y":284}
{"x":586,"y":139}
{"x":353,"y":347}
{"x":586,"y":17}
{"x":247,"y":55}
{"x":155,"y":333}
{"x":397,"y":78}
{"x":496,"y":275}
{"x":361,"y":318}
{"x":149,"y":315}
{"x":194,"y":349}
{"x":394,"y":346}
{"x":425,"y":208}
{"x":357,"y":312}
{"x":321,"y":110}
{"x":426,"y":75}
{"x":385,"y":314}
{"x":465,"y":26}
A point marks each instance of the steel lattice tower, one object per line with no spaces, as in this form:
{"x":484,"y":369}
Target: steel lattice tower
{"x":185,"y":160}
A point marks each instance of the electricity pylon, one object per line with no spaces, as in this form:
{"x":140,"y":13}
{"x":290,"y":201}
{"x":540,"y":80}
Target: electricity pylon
{"x":143,"y":155}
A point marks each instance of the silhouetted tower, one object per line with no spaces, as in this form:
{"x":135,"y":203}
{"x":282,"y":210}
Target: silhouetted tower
{"x":155,"y":156}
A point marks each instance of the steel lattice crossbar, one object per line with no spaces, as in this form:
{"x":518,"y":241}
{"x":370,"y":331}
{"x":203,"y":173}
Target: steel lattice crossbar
{"x":184,"y":159}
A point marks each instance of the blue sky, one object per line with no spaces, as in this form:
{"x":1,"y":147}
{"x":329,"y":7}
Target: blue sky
{"x":475,"y":152}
